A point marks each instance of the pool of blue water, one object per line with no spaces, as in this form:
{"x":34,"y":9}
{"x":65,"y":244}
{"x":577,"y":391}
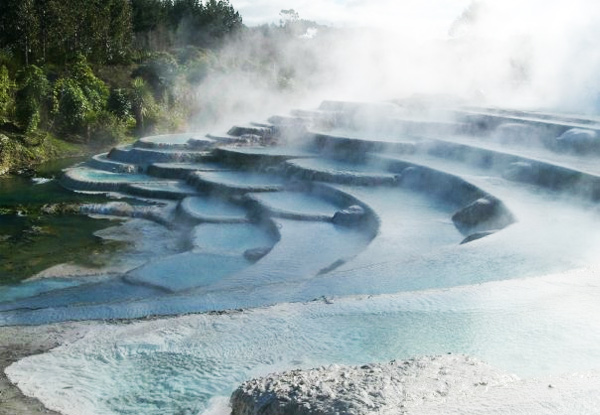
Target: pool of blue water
{"x":213,"y":207}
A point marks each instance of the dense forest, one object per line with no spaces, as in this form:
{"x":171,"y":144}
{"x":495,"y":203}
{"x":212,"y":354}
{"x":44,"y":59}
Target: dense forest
{"x":94,"y":73}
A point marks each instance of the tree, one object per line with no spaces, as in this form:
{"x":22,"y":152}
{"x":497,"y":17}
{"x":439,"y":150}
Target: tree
{"x":27,"y":26}
{"x":141,"y":102}
{"x":119,"y":103}
{"x":31,"y":97}
{"x":287,"y":16}
{"x":216,"y":20}
{"x":70,"y":106}
{"x":6,"y":92}
{"x":95,"y":90}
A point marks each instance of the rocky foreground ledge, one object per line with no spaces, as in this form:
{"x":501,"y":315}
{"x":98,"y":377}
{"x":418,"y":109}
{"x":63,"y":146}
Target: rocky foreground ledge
{"x":449,"y":385}
{"x":390,"y":388}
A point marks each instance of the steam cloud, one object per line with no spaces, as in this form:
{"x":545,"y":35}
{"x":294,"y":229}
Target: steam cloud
{"x":532,"y":55}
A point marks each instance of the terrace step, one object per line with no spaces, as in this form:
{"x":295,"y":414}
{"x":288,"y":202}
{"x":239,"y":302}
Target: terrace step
{"x":235,"y":182}
{"x":182,"y":170}
{"x":146,"y":156}
{"x":200,"y":209}
{"x":332,"y":171}
{"x":102,"y":162}
{"x":257,"y":157}
{"x":86,"y":179}
{"x":162,"y":190}
{"x":296,"y":205}
{"x":175,"y":141}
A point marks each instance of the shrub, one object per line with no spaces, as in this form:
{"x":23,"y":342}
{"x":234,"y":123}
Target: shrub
{"x":6,"y":91}
{"x":31,"y":97}
{"x":119,"y":103}
{"x":95,"y":91}
{"x":106,"y":128}
{"x":160,"y":73}
{"x":142,"y":103}
{"x":70,"y":106}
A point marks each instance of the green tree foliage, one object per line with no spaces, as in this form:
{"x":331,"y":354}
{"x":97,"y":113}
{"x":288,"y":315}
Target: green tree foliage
{"x":78,"y":97}
{"x":57,"y":30}
{"x":142,"y":103}
{"x":70,"y":106}
{"x":94,"y":89}
{"x":219,"y":19}
{"x":31,"y":97}
{"x":164,"y":24}
{"x":6,"y":93}
{"x":50,"y":50}
{"x":119,"y":103}
{"x":288,"y":16}
{"x":104,"y":127}
{"x":160,"y":73}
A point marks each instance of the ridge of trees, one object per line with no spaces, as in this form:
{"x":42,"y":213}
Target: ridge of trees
{"x":109,"y":31}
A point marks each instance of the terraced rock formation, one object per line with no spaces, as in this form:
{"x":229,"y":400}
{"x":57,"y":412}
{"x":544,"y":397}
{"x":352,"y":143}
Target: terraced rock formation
{"x":350,"y":198}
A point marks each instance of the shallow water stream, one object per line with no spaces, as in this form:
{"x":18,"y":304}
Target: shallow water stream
{"x":32,"y":240}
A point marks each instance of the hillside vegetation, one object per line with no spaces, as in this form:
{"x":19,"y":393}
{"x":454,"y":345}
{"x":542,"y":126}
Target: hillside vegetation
{"x":81,"y":75}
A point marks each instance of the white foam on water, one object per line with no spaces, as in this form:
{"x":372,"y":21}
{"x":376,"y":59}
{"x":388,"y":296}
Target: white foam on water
{"x":218,"y":406}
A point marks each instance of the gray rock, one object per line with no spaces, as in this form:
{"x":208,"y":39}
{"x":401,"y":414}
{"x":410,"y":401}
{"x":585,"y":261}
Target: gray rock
{"x":255,"y":254}
{"x":475,"y":236}
{"x":484,"y":214}
{"x":578,"y":140}
{"x":520,"y":171}
{"x":351,"y":216}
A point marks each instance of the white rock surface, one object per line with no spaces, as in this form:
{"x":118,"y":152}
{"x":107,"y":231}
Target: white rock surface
{"x":449,"y":385}
{"x":398,"y":387}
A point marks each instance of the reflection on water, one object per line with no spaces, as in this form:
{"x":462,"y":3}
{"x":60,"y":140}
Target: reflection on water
{"x":31,"y":241}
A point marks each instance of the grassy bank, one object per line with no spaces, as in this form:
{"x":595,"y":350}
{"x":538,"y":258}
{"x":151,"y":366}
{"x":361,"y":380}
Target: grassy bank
{"x":21,"y":154}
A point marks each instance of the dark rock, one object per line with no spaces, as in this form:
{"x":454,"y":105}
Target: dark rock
{"x":127,"y":168}
{"x":520,"y":171}
{"x":475,"y":236}
{"x":578,"y":140}
{"x":254,"y":254}
{"x":484,"y":214}
{"x":60,"y":208}
{"x":352,"y":215}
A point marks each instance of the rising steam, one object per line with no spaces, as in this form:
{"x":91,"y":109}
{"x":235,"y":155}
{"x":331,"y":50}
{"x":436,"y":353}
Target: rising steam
{"x":535,"y":55}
